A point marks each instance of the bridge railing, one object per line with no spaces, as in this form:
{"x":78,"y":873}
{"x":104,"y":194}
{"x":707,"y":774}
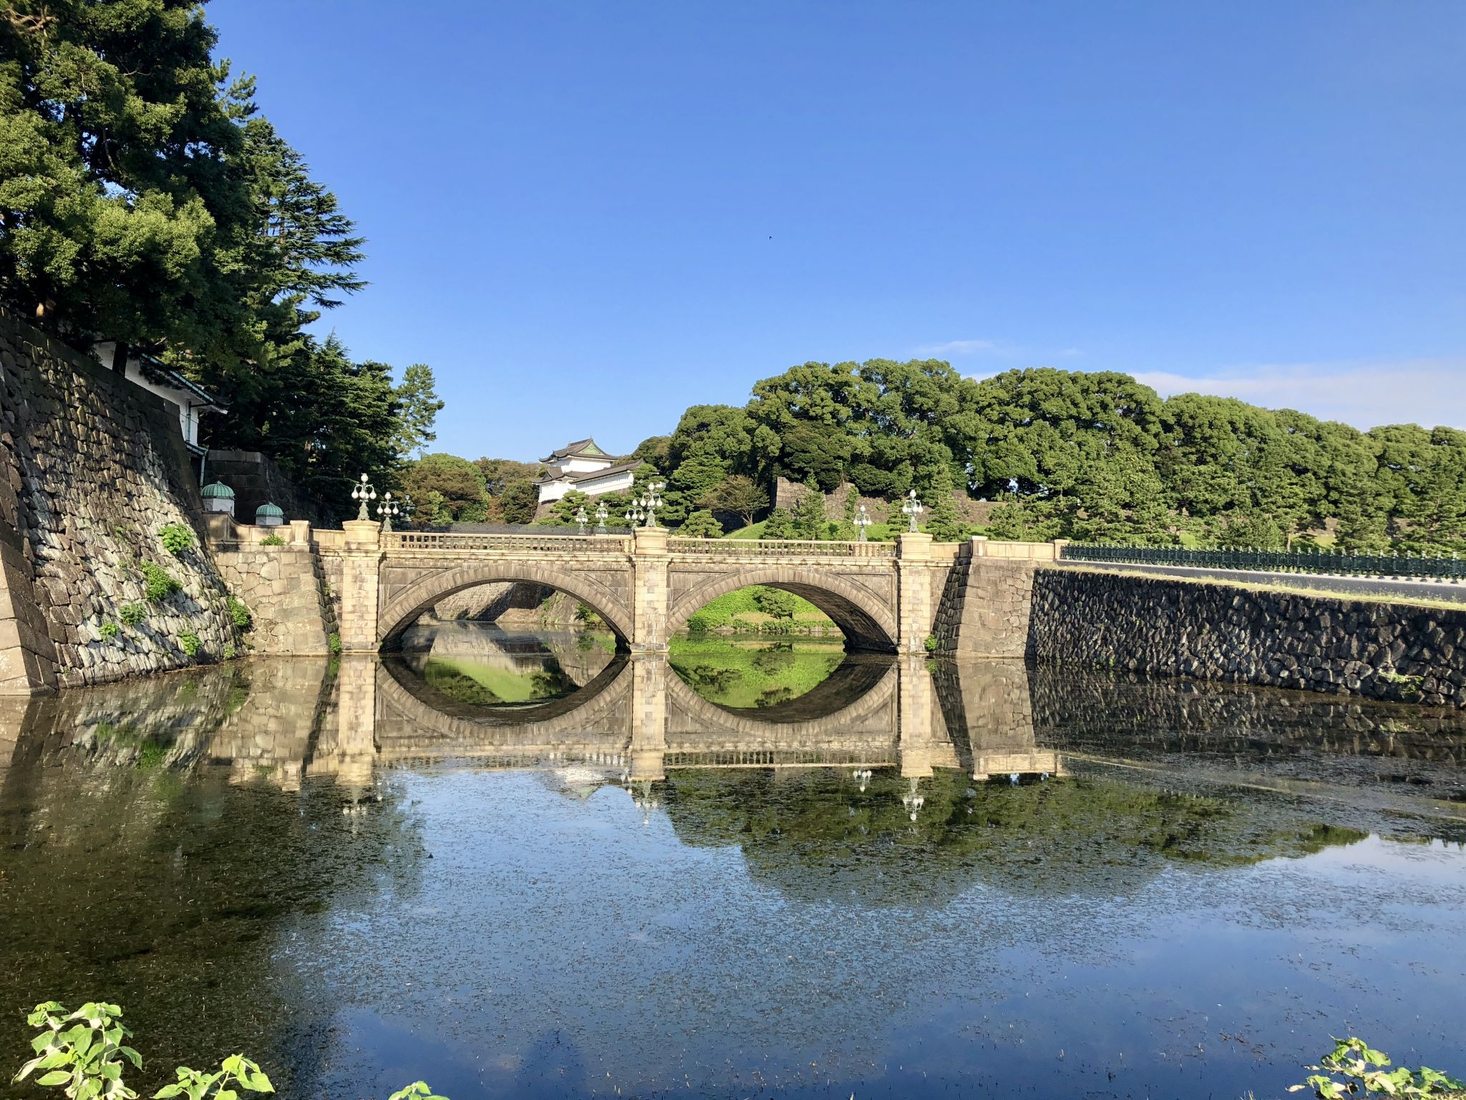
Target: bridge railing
{"x":1328,"y":562}
{"x":780,"y":548}
{"x":579,"y":545}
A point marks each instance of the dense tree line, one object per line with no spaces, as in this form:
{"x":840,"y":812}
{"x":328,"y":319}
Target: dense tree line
{"x":1088,"y":456}
{"x":144,"y":199}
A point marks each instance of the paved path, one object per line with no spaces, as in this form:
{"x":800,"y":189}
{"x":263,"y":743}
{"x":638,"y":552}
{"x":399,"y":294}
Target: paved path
{"x":1369,"y":586}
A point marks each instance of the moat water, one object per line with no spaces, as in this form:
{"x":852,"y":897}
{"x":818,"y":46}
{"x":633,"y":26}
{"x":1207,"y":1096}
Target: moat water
{"x":527,"y":866}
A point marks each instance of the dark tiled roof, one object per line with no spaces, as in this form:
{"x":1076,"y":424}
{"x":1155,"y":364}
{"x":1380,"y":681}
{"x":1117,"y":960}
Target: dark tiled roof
{"x":590,"y":475}
{"x":155,"y":371}
{"x":580,"y":447}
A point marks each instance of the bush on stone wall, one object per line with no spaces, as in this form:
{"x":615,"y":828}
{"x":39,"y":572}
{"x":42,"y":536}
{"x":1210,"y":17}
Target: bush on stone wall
{"x":239,"y":615}
{"x":159,"y":584}
{"x":177,"y":538}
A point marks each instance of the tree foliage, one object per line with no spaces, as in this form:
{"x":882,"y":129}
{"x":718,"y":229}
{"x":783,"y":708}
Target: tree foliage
{"x":144,"y":200}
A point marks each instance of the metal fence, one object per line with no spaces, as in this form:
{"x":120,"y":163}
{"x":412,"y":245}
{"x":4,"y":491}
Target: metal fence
{"x":1328,"y":562}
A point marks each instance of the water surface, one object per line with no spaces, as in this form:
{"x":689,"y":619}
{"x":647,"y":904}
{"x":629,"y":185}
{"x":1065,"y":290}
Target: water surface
{"x":902,"y":881}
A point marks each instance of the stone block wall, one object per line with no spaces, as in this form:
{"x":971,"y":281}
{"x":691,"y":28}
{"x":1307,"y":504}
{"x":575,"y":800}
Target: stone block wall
{"x":1215,"y":631}
{"x":91,"y":468}
{"x":282,"y":587}
{"x":987,"y":601}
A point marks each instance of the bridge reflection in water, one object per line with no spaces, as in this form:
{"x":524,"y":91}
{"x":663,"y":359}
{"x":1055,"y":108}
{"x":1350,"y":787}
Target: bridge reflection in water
{"x":638,"y":715}
{"x":288,"y":720}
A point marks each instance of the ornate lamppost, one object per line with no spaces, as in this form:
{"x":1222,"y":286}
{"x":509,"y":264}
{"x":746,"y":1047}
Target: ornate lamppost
{"x":364,"y":492}
{"x":911,"y":508}
{"x":862,"y":521}
{"x":407,"y":509}
{"x":387,"y":510}
{"x":601,"y":514}
{"x":651,"y":500}
{"x":581,"y":519}
{"x":634,"y":514}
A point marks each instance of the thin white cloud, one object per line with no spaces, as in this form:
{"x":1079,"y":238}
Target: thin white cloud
{"x":960,"y":347}
{"x":1428,"y":392}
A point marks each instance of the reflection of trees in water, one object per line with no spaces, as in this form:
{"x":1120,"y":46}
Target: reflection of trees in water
{"x":169,"y":889}
{"x":814,"y":835}
{"x":480,"y":664}
{"x":464,"y":683}
{"x":752,"y":675}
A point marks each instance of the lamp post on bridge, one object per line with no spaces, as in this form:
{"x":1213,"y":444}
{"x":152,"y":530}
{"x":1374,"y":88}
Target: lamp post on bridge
{"x":862,"y":521}
{"x":911,"y":508}
{"x":387,"y":510}
{"x":364,"y":492}
{"x":651,"y":500}
{"x":634,"y":514}
{"x":601,"y":514}
{"x":581,"y":519}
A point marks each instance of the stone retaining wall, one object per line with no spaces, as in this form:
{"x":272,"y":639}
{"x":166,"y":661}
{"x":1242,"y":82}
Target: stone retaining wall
{"x":282,"y":587}
{"x":91,"y":469}
{"x":1214,"y":631}
{"x":986,"y":601}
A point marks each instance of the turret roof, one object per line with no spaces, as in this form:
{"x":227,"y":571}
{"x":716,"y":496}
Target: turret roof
{"x":579,"y":447}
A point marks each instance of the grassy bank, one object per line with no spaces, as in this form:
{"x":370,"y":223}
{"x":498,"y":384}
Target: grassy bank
{"x":759,"y":609}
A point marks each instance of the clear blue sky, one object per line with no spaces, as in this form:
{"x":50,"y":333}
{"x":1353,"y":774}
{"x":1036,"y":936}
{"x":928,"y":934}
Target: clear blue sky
{"x":587,"y":216}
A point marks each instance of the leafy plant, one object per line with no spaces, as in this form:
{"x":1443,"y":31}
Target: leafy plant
{"x":272,"y":540}
{"x":109,"y":630}
{"x":82,"y":1050}
{"x":177,"y":537}
{"x":132,"y":614}
{"x":418,"y":1090}
{"x":158,"y":583}
{"x":333,"y":642}
{"x":239,"y":614}
{"x":235,"y":1070}
{"x":930,"y":643}
{"x":229,"y":652}
{"x":189,"y":643}
{"x":1365,"y":1070}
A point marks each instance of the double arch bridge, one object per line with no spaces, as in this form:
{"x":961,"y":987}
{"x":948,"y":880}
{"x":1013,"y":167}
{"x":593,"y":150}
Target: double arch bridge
{"x":885,"y":597}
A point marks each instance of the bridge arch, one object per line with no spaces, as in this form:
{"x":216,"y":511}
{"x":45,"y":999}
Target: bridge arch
{"x":403,"y":608}
{"x":868,"y":622}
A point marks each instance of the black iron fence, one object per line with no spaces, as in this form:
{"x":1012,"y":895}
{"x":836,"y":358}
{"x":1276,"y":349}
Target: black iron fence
{"x":1330,"y":562}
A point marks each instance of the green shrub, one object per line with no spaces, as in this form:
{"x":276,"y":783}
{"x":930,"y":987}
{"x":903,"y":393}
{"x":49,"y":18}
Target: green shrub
{"x":177,"y":537}
{"x":109,"y":630}
{"x":700,"y":622}
{"x":776,"y":602}
{"x":1364,"y":1071}
{"x":333,"y":642}
{"x":132,"y":614}
{"x":239,"y":615}
{"x":931,"y":643}
{"x":229,"y":652}
{"x":159,"y":584}
{"x":84,"y":1053}
{"x":189,"y":643}
{"x":272,"y":540}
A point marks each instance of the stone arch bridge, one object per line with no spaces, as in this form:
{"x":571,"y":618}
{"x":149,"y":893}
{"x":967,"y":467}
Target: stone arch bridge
{"x":885,"y":597}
